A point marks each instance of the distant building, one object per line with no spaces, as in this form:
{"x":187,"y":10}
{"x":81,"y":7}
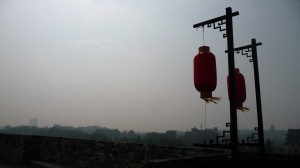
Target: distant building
{"x":33,"y":122}
{"x":199,"y":136}
{"x":272,"y":127}
{"x":171,"y":134}
{"x":293,"y":141}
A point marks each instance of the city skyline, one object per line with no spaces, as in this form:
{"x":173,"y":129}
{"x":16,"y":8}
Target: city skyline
{"x":129,"y":64}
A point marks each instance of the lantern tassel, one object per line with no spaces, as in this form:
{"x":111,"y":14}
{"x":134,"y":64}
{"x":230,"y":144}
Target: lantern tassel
{"x":212,"y":99}
{"x":243,"y":109}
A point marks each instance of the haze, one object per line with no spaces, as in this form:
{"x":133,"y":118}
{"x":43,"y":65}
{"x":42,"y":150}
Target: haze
{"x":128,"y":64}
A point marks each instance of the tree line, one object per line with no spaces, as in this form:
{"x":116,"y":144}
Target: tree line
{"x":97,"y":133}
{"x":274,"y":139}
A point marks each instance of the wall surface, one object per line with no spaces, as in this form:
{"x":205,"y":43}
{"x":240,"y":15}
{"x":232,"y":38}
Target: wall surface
{"x":76,"y":153}
{"x":22,"y":149}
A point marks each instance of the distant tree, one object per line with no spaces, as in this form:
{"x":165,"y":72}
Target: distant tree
{"x":115,"y":134}
{"x":131,"y":134}
{"x":7,"y":127}
{"x":99,"y":135}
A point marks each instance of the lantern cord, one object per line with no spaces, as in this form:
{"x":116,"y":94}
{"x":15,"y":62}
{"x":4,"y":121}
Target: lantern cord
{"x":203,"y":36}
{"x":238,"y":123}
{"x":205,"y":123}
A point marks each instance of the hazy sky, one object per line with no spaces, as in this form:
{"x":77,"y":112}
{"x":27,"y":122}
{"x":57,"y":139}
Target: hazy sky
{"x":129,"y":64}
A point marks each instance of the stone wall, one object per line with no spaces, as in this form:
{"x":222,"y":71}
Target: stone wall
{"x":77,"y":153}
{"x":250,"y":160}
{"x":207,"y":161}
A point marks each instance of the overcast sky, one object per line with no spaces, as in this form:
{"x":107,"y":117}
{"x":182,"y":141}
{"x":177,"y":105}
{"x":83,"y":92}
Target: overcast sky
{"x":129,"y":64}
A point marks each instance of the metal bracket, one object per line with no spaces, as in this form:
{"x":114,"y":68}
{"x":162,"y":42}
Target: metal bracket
{"x":245,"y":50}
{"x":218,"y":22}
{"x":251,"y":140}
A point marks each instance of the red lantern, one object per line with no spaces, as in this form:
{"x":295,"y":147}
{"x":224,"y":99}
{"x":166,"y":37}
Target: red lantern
{"x":240,"y":89}
{"x":205,"y":73}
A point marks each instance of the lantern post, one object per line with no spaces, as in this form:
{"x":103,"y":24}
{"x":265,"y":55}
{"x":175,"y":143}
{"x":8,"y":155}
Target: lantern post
{"x":244,"y":51}
{"x":258,"y":98}
{"x":227,"y":20}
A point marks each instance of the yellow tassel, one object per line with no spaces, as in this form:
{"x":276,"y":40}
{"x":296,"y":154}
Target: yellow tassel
{"x":212,"y":99}
{"x":243,"y":109}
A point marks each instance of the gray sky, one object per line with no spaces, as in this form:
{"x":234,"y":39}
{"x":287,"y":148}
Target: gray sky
{"x":129,"y":64}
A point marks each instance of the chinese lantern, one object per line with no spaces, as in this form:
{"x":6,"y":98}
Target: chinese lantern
{"x":240,"y":89}
{"x":205,"y":74}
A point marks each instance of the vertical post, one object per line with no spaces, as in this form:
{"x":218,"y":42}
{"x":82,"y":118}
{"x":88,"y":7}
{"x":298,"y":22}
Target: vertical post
{"x":258,"y":102}
{"x":231,"y":67}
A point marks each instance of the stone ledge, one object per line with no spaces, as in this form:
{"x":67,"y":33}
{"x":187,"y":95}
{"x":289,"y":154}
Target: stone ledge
{"x":40,"y":164}
{"x":193,"y":161}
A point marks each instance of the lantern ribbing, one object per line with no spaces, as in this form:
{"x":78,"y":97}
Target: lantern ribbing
{"x":205,"y":74}
{"x":240,"y":90}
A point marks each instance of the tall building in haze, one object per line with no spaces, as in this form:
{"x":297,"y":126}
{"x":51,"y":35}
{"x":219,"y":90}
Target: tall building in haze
{"x":33,"y":122}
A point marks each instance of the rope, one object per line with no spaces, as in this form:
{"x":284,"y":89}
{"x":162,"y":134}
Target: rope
{"x":238,"y":124}
{"x":203,"y":36}
{"x":205,"y":122}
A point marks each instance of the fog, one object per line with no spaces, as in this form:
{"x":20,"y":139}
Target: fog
{"x":129,"y":64}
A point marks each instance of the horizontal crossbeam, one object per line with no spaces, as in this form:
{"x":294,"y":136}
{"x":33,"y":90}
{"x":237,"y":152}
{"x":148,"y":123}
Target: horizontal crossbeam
{"x":217,"y":19}
{"x":244,"y":47}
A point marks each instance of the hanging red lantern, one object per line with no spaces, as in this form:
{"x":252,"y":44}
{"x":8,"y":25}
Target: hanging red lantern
{"x":205,"y":74}
{"x":240,"y":89}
